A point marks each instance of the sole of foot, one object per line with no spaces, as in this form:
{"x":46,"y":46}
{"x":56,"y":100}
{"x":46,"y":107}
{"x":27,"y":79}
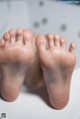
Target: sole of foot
{"x":57,"y":63}
{"x":16,"y":56}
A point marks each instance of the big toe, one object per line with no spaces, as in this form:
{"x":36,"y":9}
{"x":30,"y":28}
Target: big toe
{"x":41,"y":43}
{"x":43,"y":52}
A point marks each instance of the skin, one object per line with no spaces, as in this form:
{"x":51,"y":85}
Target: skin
{"x":57,"y":63}
{"x":39,"y":60}
{"x":16,"y":56}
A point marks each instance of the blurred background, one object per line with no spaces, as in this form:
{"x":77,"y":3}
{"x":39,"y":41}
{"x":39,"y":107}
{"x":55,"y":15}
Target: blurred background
{"x":60,"y":17}
{"x":42,"y":17}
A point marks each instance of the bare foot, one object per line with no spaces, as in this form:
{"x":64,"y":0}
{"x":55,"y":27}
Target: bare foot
{"x":16,"y":55}
{"x":34,"y":76}
{"x":57,"y":63}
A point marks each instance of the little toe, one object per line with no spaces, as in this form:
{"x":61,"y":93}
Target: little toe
{"x":6,"y":37}
{"x":62,"y":43}
{"x":41,"y":43}
{"x":50,"y":41}
{"x":56,"y":40}
{"x":72,"y":47}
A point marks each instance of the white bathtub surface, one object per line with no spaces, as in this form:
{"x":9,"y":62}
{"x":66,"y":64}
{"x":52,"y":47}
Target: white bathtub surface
{"x":33,"y":105}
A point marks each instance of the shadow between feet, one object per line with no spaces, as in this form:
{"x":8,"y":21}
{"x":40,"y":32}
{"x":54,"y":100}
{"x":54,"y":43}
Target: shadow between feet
{"x":41,"y":92}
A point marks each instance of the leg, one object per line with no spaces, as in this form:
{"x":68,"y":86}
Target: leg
{"x":57,"y":63}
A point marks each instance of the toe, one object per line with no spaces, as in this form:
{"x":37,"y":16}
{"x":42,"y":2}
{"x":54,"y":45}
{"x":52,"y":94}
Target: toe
{"x":11,"y":32}
{"x":50,"y":41}
{"x":56,"y":40}
{"x":12,"y":35}
{"x":43,"y":52}
{"x":28,"y":36}
{"x":62,"y":43}
{"x":41,"y":43}
{"x":2,"y":43}
{"x":72,"y":47}
{"x":19,"y":31}
{"x":19,"y":36}
{"x":6,"y":37}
